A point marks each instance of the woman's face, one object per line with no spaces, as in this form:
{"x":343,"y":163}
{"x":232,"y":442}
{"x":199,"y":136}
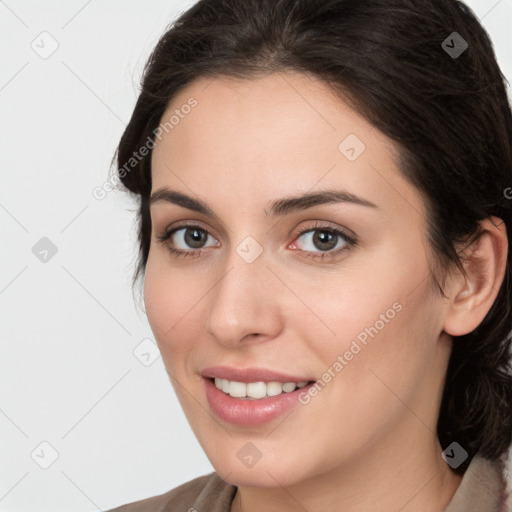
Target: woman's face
{"x":304,"y":260}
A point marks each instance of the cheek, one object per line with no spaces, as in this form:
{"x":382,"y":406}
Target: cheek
{"x":381,"y":358}
{"x":171,"y":301}
{"x":377,"y":321}
{"x":357,"y":303}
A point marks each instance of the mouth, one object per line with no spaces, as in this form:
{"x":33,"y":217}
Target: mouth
{"x":252,"y":397}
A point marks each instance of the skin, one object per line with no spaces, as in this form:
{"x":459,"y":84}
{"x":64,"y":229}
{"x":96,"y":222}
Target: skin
{"x":367,"y":441}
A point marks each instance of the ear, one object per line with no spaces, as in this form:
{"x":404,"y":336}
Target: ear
{"x":472,"y":296}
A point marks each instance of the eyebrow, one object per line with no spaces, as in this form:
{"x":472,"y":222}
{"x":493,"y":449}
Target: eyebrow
{"x":277,"y":207}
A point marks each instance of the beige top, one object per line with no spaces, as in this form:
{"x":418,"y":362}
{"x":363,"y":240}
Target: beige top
{"x":482,"y":489}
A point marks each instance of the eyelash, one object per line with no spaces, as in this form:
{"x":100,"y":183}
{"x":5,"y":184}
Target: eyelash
{"x":350,"y":241}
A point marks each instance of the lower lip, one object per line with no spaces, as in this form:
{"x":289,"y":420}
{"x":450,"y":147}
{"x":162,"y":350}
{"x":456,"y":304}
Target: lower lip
{"x":250,"y":412}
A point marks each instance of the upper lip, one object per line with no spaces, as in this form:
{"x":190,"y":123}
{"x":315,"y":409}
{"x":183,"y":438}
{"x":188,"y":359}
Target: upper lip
{"x":250,"y":375}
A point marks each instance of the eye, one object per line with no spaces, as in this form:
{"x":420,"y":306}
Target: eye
{"x":187,"y":239}
{"x":324,"y":241}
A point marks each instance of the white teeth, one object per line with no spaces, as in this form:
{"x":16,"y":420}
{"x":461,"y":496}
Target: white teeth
{"x":288,"y":386}
{"x":255,"y":390}
{"x":237,"y":389}
{"x":274,"y":388}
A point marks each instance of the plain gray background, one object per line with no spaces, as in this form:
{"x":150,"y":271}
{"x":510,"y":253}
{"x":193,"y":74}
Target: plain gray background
{"x":88,"y":418}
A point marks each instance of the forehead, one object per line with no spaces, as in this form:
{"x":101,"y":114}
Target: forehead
{"x":273,"y":135}
{"x":270,"y":115}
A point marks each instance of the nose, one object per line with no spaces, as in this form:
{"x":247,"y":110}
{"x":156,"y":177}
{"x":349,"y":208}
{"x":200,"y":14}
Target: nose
{"x":245,"y":303}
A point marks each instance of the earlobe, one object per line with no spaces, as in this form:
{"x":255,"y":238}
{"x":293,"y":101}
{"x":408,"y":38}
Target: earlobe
{"x":472,"y":296}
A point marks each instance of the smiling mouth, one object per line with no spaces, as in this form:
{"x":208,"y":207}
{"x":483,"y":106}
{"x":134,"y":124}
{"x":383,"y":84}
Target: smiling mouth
{"x":256,"y":390}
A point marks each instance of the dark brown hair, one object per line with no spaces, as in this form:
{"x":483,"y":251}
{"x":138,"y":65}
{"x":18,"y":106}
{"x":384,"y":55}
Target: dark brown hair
{"x":448,"y":114}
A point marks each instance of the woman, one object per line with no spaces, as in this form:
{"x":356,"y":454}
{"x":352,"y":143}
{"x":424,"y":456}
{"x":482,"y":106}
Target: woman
{"x":325,"y":222}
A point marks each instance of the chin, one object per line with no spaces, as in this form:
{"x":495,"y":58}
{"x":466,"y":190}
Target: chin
{"x":269,"y":469}
{"x":264,"y":475}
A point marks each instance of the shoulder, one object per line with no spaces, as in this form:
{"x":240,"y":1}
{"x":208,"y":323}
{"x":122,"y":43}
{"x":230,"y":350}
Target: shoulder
{"x":209,"y":492}
{"x":483,"y":487}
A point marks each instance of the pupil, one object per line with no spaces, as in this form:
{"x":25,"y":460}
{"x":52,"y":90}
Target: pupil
{"x":194,"y":237}
{"x":323,"y":238}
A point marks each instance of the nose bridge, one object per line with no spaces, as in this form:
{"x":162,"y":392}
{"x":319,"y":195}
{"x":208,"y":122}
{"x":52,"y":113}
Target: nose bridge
{"x":243,"y":300}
